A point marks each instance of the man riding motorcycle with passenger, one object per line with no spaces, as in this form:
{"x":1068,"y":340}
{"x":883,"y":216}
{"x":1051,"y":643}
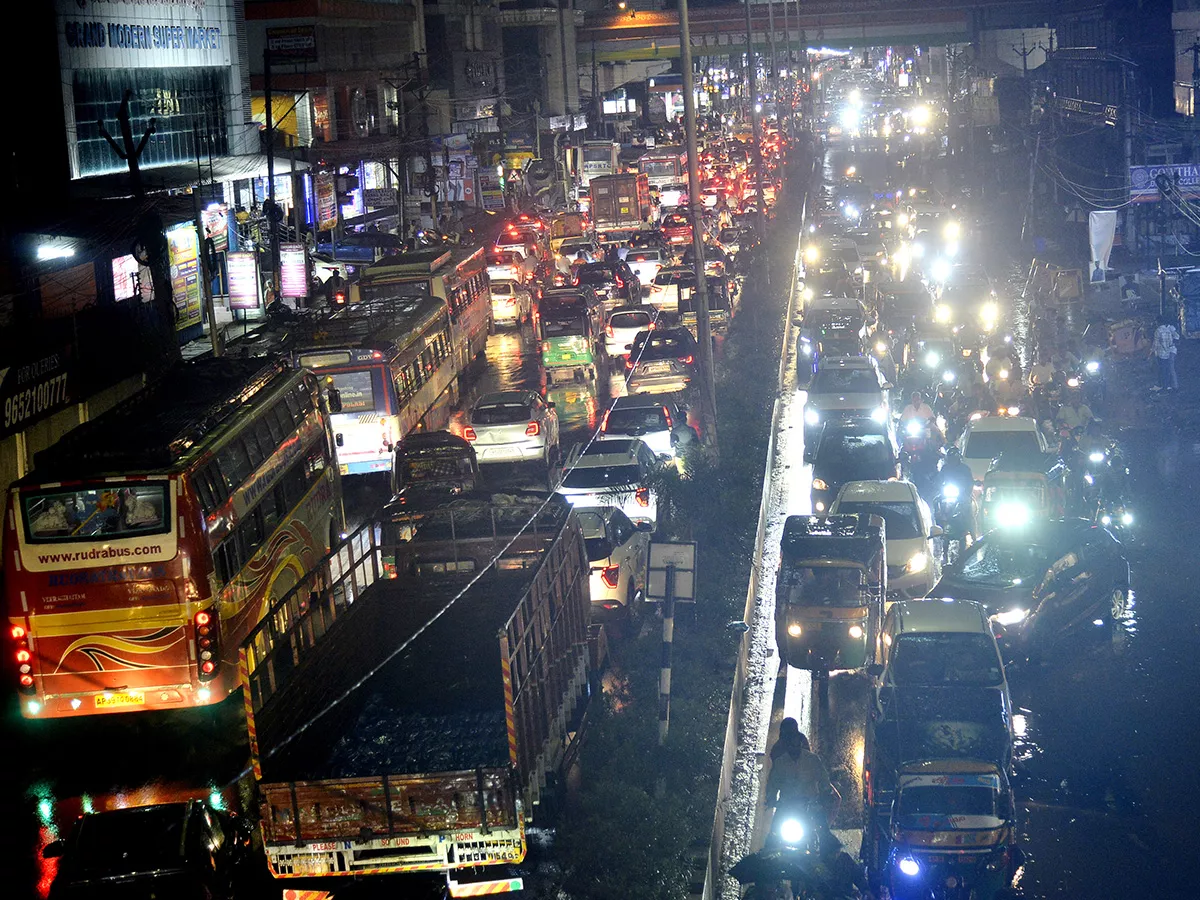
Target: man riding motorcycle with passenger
{"x":798,"y":780}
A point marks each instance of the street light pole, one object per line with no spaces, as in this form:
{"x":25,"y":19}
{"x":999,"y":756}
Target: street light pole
{"x":756,"y":129}
{"x":708,"y":394}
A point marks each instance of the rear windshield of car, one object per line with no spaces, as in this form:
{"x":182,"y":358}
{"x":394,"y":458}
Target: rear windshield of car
{"x":502,"y":288}
{"x":629,"y":320}
{"x":500,"y":414}
{"x":676,"y":222}
{"x":939,"y":658}
{"x":657,"y":345}
{"x":595,"y":273}
{"x":636,"y":420}
{"x":589,"y":477}
{"x":845,"y":381}
{"x":674,"y":277}
{"x":643,"y":256}
{"x":990,"y":444}
{"x":899,"y":517}
{"x":126,"y":844}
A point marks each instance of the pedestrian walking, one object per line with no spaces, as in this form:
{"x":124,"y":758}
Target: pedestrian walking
{"x":1165,"y":350}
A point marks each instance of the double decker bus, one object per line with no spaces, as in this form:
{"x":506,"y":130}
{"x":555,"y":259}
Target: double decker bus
{"x":666,"y":165}
{"x":458,"y":277}
{"x":392,"y":365}
{"x":147,"y":543}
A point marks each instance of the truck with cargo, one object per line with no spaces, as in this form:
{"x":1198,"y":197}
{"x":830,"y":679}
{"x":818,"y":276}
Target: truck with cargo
{"x":411,"y":700}
{"x":620,"y":206}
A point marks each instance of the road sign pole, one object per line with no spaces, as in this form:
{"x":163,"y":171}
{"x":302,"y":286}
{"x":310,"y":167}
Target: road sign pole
{"x":664,"y":677}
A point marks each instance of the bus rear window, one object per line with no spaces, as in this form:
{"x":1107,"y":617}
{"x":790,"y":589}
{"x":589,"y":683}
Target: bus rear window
{"x":357,"y":390}
{"x":62,"y":515}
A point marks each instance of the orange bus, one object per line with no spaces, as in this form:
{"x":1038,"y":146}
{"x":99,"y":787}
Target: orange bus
{"x":147,"y":543}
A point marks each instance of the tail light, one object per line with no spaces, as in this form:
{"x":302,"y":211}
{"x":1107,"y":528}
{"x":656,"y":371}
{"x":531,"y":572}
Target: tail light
{"x":469,"y":433}
{"x":208,"y":644}
{"x":687,"y":360}
{"x":610,"y":575}
{"x":339,"y":298}
{"x":533,"y":429}
{"x":24,"y":659}
{"x":608,"y":329}
{"x":604,"y":422}
{"x":642,"y":495}
{"x":667,"y":413}
{"x":545,"y":346}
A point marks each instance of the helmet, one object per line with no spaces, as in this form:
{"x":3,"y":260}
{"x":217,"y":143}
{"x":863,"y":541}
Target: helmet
{"x":952,"y":452}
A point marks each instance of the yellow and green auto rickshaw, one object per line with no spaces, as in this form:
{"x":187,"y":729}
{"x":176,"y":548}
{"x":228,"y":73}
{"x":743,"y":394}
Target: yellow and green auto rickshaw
{"x":830,"y":590}
{"x":1022,"y":488}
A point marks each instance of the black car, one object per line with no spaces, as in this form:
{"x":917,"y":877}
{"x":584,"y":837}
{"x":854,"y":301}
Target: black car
{"x":851,"y":450}
{"x":662,"y":359}
{"x":613,"y":282}
{"x":430,"y":467}
{"x":1043,"y":581}
{"x":180,"y":850}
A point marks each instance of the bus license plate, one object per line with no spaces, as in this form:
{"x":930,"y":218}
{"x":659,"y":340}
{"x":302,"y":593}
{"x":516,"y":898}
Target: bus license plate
{"x":120,"y":698}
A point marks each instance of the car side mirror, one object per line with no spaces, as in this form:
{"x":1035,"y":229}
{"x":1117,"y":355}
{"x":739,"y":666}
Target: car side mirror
{"x":875,"y":670}
{"x":644,"y":526}
{"x":551,"y":404}
{"x":936,"y":531}
{"x":53,"y":850}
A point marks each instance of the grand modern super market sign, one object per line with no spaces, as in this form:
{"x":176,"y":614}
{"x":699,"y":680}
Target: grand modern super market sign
{"x":99,"y":34}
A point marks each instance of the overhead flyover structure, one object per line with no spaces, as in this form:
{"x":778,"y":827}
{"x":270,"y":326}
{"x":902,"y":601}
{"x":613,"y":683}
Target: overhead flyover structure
{"x":645,"y":35}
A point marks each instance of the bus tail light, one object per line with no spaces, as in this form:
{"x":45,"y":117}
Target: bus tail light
{"x":642,"y":495}
{"x":604,"y":421}
{"x":667,"y":413}
{"x":24,"y":659}
{"x":533,"y":429}
{"x":208,"y":644}
{"x":687,"y":360}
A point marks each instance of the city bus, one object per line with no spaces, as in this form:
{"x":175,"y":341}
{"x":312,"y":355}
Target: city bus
{"x":599,"y":158}
{"x":666,"y":165}
{"x":147,"y":543}
{"x":392,"y":366}
{"x":458,"y":277}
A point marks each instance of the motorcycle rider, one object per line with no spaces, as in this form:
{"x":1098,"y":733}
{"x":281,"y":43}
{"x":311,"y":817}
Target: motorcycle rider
{"x":918,"y":409}
{"x":799,"y":777}
{"x":1075,"y":413}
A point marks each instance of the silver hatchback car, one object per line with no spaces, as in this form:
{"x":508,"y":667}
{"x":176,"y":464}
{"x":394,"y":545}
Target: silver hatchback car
{"x":513,"y":427}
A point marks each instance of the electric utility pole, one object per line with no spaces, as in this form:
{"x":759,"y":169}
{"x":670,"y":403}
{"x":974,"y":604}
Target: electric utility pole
{"x":270,"y":210}
{"x":756,"y":128}
{"x":708,"y":396}
{"x":1025,"y":52}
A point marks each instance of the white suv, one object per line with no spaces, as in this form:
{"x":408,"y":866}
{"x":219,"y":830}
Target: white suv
{"x":618,"y":555}
{"x":612,"y":473}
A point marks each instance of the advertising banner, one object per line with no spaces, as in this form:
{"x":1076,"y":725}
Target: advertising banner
{"x":243,"y":279}
{"x":185,"y":275}
{"x":216,"y":225}
{"x":1145,"y":181}
{"x":137,"y":34}
{"x":1102,"y":227}
{"x":293,"y":43}
{"x":33,"y":390}
{"x":293,"y":264}
{"x":327,"y":206}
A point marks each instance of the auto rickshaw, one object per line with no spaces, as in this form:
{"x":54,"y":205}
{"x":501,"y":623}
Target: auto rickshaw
{"x":1023,"y":489}
{"x":830,"y":591}
{"x":567,"y":345}
{"x":565,"y":226}
{"x":952,"y":826}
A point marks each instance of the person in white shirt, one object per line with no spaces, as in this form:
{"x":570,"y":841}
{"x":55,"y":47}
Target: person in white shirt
{"x":917,"y":409}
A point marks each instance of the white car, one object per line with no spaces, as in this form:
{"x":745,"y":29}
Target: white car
{"x":623,"y":326}
{"x":645,"y":262}
{"x":618,"y":556}
{"x":513,"y":427}
{"x":510,"y":264}
{"x":986,"y":438}
{"x":672,"y":195}
{"x":913,"y":566}
{"x":512,"y":303}
{"x":664,"y":289}
{"x":658,"y":421}
{"x":612,"y":473}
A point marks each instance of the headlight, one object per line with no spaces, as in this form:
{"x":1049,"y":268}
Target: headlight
{"x":942,"y":314}
{"x":948,"y":377}
{"x":917,"y":563}
{"x":811,"y":254}
{"x":807,"y":293}
{"x":1073,"y":382}
{"x":1012,"y":617}
{"x":913,"y":428}
{"x":952,"y":231}
{"x":1010,"y":515}
{"x":1126,"y":518}
{"x":795,"y":630}
{"x":940,"y":270}
{"x":932,"y":359}
{"x":1013,"y":410}
{"x":1002,"y":374}
{"x":950,"y":491}
{"x":812,"y":417}
{"x":879,"y":415}
{"x":908,"y":866}
{"x":1096,"y":456}
{"x":855,"y":631}
{"x":819,"y":484}
{"x":1093,"y":366}
{"x":990,"y":314}
{"x":917,"y":250}
{"x":902,"y":219}
{"x":791,"y":831}
{"x":880,"y":347}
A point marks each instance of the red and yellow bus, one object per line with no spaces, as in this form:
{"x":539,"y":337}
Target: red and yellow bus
{"x":147,"y":543}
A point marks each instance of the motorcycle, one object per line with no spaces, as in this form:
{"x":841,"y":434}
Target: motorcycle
{"x":957,"y":516}
{"x":919,"y":450}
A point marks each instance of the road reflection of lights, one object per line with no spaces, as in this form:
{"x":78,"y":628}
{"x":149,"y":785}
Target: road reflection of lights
{"x":860,"y":754}
{"x":1020,"y":725}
